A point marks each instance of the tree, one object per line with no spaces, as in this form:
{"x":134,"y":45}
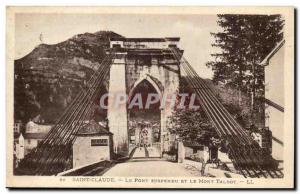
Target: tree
{"x":192,"y":126}
{"x":245,"y":40}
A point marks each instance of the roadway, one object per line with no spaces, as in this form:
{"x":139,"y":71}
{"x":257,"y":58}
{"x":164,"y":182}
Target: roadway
{"x":147,"y":163}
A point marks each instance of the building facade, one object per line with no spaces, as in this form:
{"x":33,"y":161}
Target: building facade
{"x":274,"y":98}
{"x":93,"y":143}
{"x":34,"y":134}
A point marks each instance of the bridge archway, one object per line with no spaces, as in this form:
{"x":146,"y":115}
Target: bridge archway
{"x":149,"y":79}
{"x":139,"y":61}
{"x":144,"y":121}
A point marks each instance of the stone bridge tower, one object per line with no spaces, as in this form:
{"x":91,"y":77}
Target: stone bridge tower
{"x":137,"y":60}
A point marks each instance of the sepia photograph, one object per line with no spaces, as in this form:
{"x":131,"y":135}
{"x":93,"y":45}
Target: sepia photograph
{"x":150,"y":97}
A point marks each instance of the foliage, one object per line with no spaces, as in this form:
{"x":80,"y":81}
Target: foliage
{"x":245,"y":40}
{"x":191,"y":126}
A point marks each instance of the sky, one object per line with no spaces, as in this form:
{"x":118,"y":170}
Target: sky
{"x":193,"y":30}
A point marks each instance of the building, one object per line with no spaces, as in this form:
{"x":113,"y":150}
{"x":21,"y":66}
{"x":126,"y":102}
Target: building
{"x":17,"y":127}
{"x":274,"y":98}
{"x":34,"y":133}
{"x":25,"y":141}
{"x":20,"y":151}
{"x":93,"y":143}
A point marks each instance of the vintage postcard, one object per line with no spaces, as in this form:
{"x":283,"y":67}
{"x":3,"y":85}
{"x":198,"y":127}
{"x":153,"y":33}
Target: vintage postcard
{"x":150,"y":97}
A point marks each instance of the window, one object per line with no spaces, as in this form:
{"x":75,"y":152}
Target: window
{"x":172,"y":45}
{"x":140,"y":46}
{"x":99,"y":142}
{"x":116,"y":46}
{"x":17,"y":127}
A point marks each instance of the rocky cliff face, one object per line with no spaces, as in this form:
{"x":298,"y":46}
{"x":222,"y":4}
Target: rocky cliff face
{"x":48,"y":78}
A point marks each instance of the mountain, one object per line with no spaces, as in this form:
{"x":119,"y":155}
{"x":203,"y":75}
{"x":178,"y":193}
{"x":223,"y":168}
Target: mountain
{"x":49,"y":77}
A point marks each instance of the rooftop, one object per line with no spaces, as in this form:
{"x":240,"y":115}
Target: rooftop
{"x":272,"y":53}
{"x":92,"y":128}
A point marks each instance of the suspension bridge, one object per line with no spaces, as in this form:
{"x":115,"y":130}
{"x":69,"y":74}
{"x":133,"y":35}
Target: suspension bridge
{"x":53,"y":155}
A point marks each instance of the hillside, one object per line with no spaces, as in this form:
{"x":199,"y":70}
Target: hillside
{"x":49,"y":77}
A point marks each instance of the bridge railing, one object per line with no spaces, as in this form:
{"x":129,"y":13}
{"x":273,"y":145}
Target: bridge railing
{"x":87,"y":169}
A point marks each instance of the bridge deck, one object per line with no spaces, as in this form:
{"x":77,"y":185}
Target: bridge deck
{"x":146,"y":162}
{"x":150,"y":152}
